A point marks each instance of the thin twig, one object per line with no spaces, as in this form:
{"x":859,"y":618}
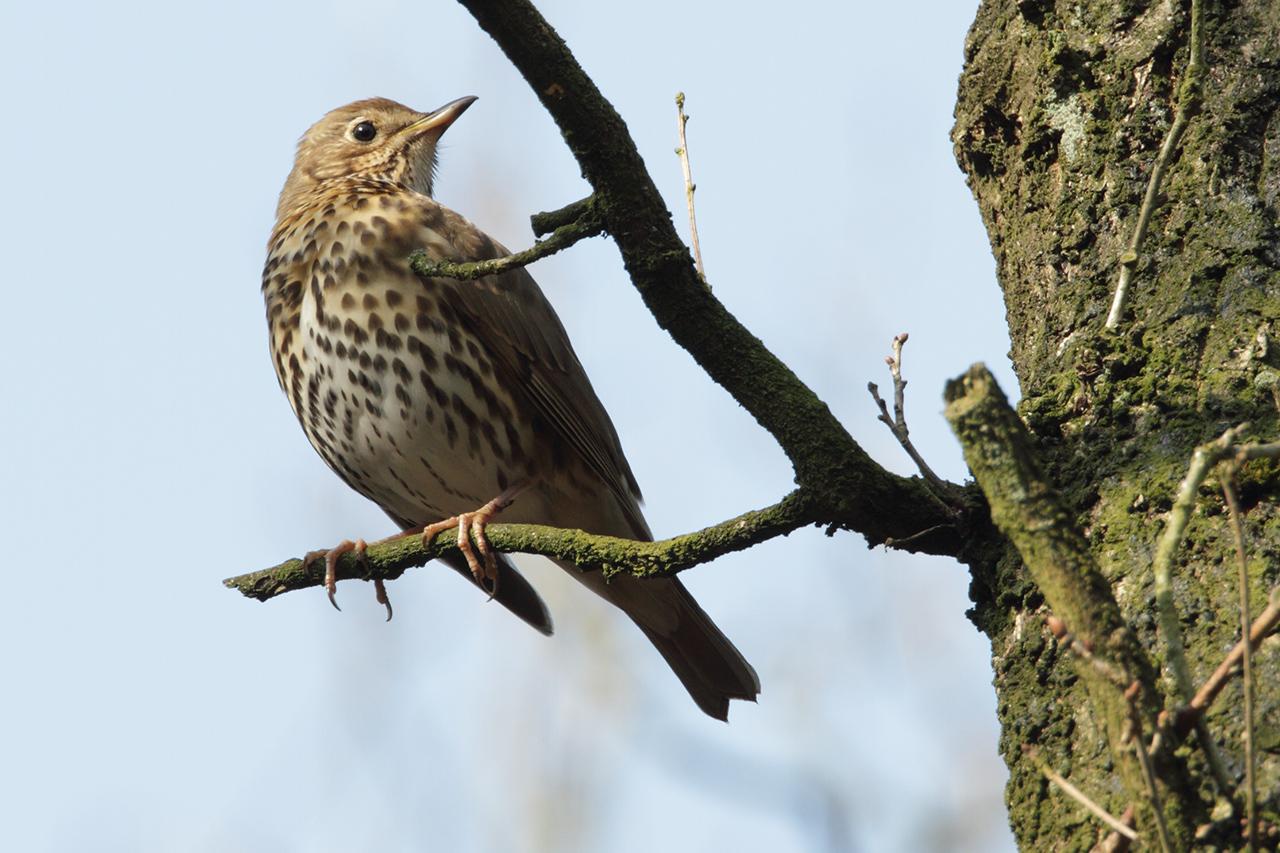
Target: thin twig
{"x":1250,"y":759}
{"x":689,"y":186}
{"x":897,"y":424}
{"x":1116,"y":842}
{"x":1202,"y":461}
{"x":586,"y":225}
{"x":1189,"y":97}
{"x":1148,"y":771}
{"x":1080,"y":797}
{"x":1268,"y":620}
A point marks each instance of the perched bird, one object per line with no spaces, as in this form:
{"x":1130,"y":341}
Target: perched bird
{"x":445,"y":401}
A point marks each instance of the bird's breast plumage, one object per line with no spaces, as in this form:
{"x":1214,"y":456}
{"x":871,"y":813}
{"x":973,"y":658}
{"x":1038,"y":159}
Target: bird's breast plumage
{"x":400,"y":398}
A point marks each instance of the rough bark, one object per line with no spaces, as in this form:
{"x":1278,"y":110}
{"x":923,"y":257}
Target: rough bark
{"x":1062,"y":107}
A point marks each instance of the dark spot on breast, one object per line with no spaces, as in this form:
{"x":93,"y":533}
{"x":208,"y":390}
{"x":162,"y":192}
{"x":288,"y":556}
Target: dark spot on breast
{"x":393,"y":298}
{"x":336,"y":247}
{"x":455,"y":340}
{"x":399,"y":369}
{"x":369,"y":301}
{"x":402,"y":322}
{"x":348,"y":301}
{"x":450,"y":430}
{"x":374,"y":321}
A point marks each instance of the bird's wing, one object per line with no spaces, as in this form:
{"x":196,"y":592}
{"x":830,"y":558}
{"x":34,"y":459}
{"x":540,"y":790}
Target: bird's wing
{"x":510,"y":313}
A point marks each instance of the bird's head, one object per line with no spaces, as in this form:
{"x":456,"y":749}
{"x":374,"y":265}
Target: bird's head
{"x":375,"y":138}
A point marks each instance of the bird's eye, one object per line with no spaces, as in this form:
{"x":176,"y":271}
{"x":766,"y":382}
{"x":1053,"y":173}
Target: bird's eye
{"x":364,"y":132}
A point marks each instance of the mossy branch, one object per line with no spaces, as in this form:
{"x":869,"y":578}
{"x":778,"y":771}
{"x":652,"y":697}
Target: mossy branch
{"x":1027,"y":509}
{"x":567,"y":231}
{"x":390,"y":558}
{"x":829,"y":465}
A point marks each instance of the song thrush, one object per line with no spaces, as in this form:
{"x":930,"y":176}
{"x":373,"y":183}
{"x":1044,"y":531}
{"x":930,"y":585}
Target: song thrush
{"x":441,"y":399}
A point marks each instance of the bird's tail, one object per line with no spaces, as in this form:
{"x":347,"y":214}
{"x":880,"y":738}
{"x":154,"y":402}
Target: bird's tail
{"x":702,"y":657}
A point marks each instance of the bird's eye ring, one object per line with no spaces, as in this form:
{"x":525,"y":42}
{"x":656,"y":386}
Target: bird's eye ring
{"x":364,"y":132}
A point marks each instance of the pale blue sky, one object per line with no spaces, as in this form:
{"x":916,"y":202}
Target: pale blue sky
{"x":150,"y":453}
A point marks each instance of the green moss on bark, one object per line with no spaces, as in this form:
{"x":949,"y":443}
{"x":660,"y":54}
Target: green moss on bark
{"x":1061,"y":109}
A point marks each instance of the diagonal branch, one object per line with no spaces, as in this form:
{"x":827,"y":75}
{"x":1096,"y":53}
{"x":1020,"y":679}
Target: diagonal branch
{"x":829,"y":465}
{"x":389,"y":559}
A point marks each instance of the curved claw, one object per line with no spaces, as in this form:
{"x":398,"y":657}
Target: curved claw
{"x":330,"y":583}
{"x":331,"y":564}
{"x":380,"y":590}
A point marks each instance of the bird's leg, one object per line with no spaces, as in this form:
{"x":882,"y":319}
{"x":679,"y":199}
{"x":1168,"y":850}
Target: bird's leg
{"x":471,"y":526}
{"x":331,"y":570}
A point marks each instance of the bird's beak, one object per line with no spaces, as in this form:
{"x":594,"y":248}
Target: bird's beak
{"x":440,"y":119}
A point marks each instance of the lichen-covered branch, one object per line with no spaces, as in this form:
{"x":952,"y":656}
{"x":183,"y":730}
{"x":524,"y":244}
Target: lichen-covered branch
{"x":829,"y":465}
{"x":1031,"y":513}
{"x":584,"y":224}
{"x":389,"y":559}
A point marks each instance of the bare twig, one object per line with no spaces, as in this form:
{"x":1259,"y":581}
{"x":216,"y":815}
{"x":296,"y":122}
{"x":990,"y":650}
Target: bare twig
{"x":565,"y":235}
{"x":1202,"y":461}
{"x":1268,"y":620}
{"x":897,"y":424}
{"x":1190,"y":94}
{"x":1079,"y":796}
{"x":1117,"y":841}
{"x":1237,"y":529}
{"x":689,"y":186}
{"x":1148,"y":771}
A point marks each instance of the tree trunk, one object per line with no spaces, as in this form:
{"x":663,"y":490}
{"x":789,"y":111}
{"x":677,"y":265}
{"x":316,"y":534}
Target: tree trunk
{"x":1062,"y":109}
